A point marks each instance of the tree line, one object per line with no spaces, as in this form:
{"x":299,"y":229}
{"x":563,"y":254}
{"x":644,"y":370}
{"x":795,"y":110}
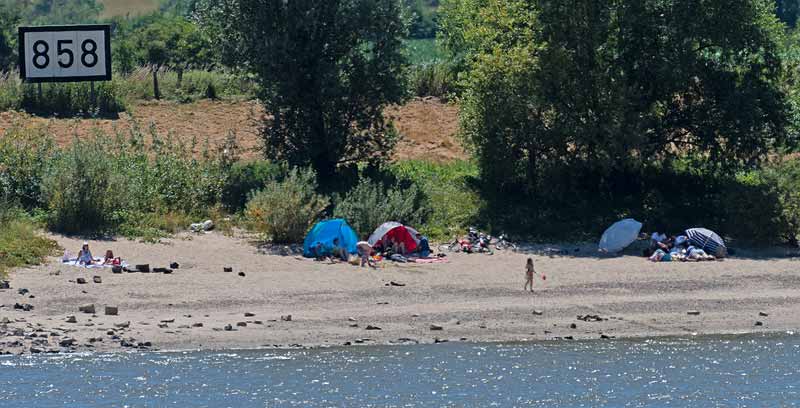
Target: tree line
{"x":576,"y":112}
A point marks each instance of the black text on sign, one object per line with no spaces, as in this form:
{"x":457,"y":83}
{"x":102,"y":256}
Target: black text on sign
{"x":65,"y":53}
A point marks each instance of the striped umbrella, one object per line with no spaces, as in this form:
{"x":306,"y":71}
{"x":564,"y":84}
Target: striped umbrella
{"x":708,"y":240}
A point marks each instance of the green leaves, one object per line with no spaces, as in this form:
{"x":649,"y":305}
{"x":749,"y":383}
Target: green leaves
{"x":327,"y":69}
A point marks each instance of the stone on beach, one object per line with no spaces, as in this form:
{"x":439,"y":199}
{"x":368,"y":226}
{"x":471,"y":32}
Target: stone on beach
{"x":538,"y":312}
{"x":80,"y":281}
{"x":97,"y":279}
{"x":89,"y":309}
{"x":436,"y":327}
{"x":286,"y":318}
{"x":693,"y":313}
{"x":248,"y":314}
{"x":71,"y":319}
{"x":242,"y":324}
{"x":112,"y":310}
{"x":371,"y":327}
{"x":763,"y":314}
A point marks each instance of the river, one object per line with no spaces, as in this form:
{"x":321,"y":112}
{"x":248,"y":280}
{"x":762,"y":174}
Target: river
{"x":675,"y":372}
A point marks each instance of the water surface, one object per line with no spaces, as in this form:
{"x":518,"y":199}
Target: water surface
{"x":694,"y":372}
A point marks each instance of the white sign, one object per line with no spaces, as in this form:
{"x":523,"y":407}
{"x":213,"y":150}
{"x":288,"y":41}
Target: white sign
{"x":65,"y":53}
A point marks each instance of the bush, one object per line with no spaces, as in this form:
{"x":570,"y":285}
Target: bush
{"x":244,"y":178}
{"x":763,"y":206}
{"x":82,"y":190}
{"x":24,"y":157}
{"x":369,"y":204}
{"x":20,"y":245}
{"x":285,"y":210}
{"x":433,"y":79}
{"x":10,"y":89}
{"x":452,"y":204}
{"x":71,"y":99}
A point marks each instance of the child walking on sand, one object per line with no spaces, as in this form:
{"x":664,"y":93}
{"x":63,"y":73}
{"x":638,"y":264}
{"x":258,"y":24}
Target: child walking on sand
{"x":529,"y":271}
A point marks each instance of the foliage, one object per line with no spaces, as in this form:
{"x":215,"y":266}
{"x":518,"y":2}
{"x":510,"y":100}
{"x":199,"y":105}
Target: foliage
{"x":326,"y":71}
{"x":369,"y":204}
{"x":24,"y":159}
{"x":569,"y":107}
{"x":434,"y":79}
{"x":423,"y":18}
{"x":73,"y":99}
{"x":9,"y":19}
{"x":245,"y":178}
{"x":83,"y":192}
{"x":20,"y":244}
{"x":285,"y":210}
{"x":57,"y":12}
{"x":450,"y":201}
{"x":137,"y":184}
{"x":423,"y":51}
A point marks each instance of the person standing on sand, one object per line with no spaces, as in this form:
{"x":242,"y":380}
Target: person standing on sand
{"x":529,"y":271}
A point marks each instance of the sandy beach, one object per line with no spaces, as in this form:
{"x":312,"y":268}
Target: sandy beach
{"x":473,"y":298}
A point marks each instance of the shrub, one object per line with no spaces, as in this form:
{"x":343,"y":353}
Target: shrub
{"x":285,"y":210}
{"x":451,"y":202}
{"x":24,"y":157}
{"x":432,"y":79}
{"x":244,"y":178}
{"x":70,"y":99}
{"x":82,"y":190}
{"x":10,"y":89}
{"x":20,"y":245}
{"x":369,"y":204}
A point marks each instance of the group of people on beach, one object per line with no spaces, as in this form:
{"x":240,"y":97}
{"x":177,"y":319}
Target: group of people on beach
{"x":387,"y":248}
{"x":675,"y":248}
{"x":85,"y":257}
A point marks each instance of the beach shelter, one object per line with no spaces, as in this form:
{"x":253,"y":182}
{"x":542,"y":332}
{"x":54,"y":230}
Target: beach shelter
{"x":396,"y":232}
{"x":325,"y":232}
{"x":708,"y":240}
{"x":619,"y":235}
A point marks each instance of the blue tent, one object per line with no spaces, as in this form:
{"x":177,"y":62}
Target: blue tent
{"x":325,"y":232}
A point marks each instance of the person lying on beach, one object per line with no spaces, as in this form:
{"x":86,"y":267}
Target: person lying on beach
{"x":85,"y":255}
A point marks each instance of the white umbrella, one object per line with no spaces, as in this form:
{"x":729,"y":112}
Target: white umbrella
{"x":618,"y":236}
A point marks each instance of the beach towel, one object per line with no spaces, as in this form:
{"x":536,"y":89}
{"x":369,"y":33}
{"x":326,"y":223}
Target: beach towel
{"x":429,"y":260}
{"x":73,"y":262}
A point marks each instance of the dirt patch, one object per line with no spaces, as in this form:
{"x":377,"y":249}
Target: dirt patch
{"x":428,"y":126}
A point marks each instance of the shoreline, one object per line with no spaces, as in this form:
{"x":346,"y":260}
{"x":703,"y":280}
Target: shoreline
{"x":473,"y":298}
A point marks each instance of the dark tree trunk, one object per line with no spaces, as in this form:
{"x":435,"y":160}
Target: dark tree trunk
{"x":180,"y":77}
{"x":156,"y":91}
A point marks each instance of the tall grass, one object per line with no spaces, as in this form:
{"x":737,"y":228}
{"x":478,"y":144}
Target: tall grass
{"x":113,"y":97}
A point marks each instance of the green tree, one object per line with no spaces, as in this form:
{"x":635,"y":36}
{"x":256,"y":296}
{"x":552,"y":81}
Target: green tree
{"x":567,"y":103}
{"x":9,"y":18}
{"x":172,"y":42}
{"x":327,"y":68}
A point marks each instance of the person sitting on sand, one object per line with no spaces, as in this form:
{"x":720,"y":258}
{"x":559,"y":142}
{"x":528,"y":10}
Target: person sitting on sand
{"x":424,"y":247}
{"x":109,"y":259}
{"x":339,"y":251}
{"x":529,"y":271}
{"x":659,"y":241}
{"x":85,"y":255}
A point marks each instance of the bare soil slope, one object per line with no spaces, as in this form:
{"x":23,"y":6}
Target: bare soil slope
{"x":428,"y":126}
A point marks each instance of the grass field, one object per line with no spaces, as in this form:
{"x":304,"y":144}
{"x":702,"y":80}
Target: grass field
{"x":113,"y":8}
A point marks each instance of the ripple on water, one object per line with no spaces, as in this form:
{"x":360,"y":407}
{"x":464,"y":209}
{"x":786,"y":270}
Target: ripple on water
{"x":696,"y":371}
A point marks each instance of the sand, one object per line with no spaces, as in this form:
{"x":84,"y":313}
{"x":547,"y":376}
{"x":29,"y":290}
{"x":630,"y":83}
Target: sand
{"x":473,"y":298}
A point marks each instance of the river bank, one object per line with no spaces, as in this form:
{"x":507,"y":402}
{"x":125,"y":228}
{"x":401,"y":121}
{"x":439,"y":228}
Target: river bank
{"x":476,"y":298}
